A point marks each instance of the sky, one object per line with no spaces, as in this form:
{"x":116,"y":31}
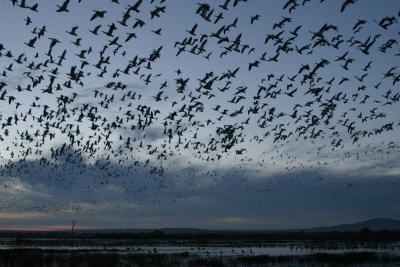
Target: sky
{"x":123,"y":176}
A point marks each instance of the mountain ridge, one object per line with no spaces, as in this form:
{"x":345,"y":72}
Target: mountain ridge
{"x":371,"y":224}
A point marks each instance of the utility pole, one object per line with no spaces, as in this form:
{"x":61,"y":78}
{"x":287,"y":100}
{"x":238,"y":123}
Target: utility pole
{"x":73,"y":226}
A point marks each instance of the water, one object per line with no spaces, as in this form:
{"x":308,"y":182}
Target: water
{"x":201,"y":249}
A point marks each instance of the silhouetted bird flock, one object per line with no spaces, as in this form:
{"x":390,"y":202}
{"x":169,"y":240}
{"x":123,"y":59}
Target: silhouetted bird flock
{"x":48,"y":118}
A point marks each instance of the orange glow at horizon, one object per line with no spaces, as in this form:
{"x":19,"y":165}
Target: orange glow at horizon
{"x":40,"y":228}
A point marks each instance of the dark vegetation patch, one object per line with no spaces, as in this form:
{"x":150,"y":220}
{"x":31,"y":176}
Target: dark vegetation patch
{"x":42,"y":258}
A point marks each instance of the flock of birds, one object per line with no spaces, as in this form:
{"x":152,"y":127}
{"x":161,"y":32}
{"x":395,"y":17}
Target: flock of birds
{"x":57,"y":127}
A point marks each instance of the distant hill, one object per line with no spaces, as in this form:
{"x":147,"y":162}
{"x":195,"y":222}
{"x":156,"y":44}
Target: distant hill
{"x":168,"y":231}
{"x":374,"y":224}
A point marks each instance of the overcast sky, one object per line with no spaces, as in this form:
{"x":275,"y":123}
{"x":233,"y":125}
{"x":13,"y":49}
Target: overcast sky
{"x":295,"y":183}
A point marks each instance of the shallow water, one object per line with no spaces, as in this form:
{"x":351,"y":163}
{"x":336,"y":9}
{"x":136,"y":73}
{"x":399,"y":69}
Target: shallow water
{"x":203,"y":249}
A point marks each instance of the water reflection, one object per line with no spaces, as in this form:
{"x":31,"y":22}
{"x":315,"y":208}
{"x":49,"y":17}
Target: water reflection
{"x":202,"y":249}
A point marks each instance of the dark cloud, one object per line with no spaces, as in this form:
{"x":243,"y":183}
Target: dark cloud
{"x":72,"y":187}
